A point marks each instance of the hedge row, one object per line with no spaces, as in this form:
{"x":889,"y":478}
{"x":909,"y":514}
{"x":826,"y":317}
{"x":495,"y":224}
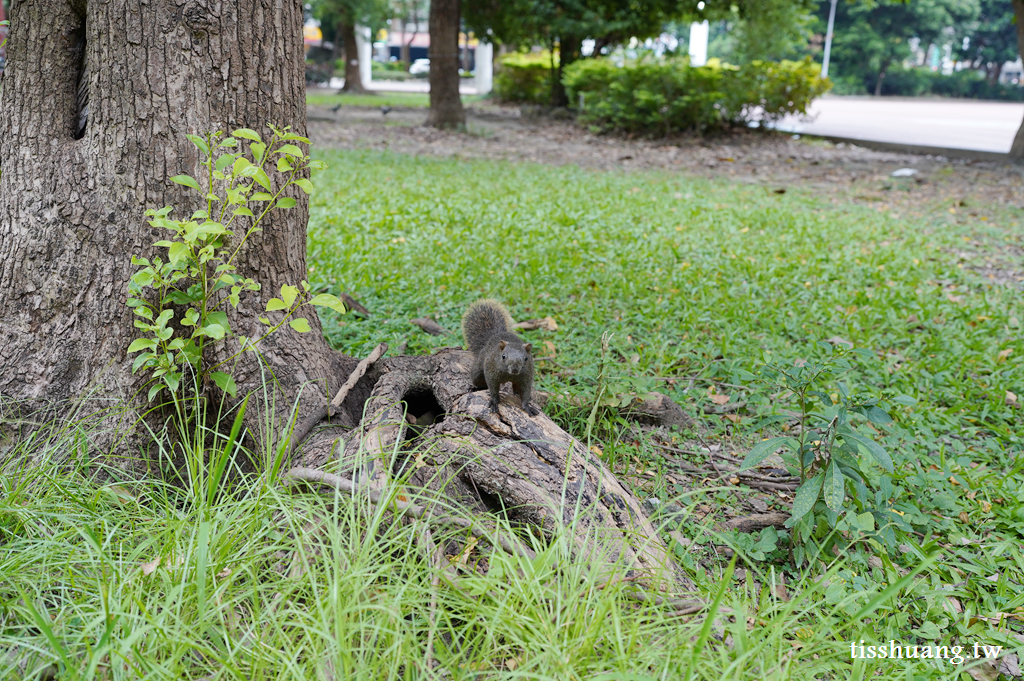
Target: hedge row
{"x":662,"y":97}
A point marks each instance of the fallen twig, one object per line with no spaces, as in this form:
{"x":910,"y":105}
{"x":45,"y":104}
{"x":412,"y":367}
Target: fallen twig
{"x":402,"y":508}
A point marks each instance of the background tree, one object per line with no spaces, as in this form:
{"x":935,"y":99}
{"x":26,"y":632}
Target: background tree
{"x":445,"y":102}
{"x":565,"y":24}
{"x":874,"y":35}
{"x":406,"y":13}
{"x":990,"y":40}
{"x":338,"y":21}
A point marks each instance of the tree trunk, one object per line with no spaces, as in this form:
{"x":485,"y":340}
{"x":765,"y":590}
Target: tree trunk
{"x":71,"y":205}
{"x":568,"y":52}
{"x":1017,"y":148}
{"x":353,"y":81}
{"x":445,"y":103}
{"x":878,"y":83}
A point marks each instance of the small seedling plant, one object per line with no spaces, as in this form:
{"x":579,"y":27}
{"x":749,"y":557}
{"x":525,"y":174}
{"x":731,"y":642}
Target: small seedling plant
{"x":181,"y":299}
{"x":845,"y":474}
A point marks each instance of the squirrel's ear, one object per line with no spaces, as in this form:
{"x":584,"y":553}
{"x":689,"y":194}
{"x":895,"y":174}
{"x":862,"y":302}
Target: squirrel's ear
{"x":529,"y":347}
{"x":501,"y":345}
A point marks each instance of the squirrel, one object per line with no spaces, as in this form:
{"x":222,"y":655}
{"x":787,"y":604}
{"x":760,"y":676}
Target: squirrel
{"x":498,"y":354}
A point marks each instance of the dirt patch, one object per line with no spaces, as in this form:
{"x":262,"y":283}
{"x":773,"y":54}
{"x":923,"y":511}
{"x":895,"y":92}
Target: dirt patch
{"x":982,"y":199}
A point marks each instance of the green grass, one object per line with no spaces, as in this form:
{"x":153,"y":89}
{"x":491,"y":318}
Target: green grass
{"x":695,"y":280}
{"x":412,"y":100}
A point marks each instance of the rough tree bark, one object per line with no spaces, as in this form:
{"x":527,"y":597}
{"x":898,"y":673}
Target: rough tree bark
{"x":353,"y":81}
{"x":1017,"y":148}
{"x":71,"y":209}
{"x":445,"y":103}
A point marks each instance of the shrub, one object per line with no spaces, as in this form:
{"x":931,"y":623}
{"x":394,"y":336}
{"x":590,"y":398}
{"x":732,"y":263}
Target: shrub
{"x":918,"y":81}
{"x":524,"y":77}
{"x":662,"y":97}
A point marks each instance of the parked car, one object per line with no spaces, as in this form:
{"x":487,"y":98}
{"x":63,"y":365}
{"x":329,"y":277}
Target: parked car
{"x":420,"y":67}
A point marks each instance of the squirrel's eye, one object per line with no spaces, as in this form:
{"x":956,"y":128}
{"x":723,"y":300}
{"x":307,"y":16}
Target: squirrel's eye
{"x":503,"y":355}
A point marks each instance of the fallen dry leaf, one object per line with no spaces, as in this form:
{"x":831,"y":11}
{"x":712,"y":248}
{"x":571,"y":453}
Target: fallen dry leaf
{"x":429,"y":325}
{"x":547,"y":323}
{"x":148,"y":568}
{"x":1003,"y":354}
{"x":719,"y":399}
{"x":1011,"y":398}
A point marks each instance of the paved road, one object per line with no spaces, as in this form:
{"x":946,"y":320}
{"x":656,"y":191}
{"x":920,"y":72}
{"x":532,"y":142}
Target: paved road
{"x":959,"y":123}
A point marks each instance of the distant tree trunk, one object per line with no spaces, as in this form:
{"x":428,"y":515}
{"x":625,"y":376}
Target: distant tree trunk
{"x":568,"y":52}
{"x":353,"y":81}
{"x":881,"y":79}
{"x":336,"y":50}
{"x":1017,"y":148}
{"x":445,"y":103}
{"x":403,"y":48}
{"x":72,"y":199}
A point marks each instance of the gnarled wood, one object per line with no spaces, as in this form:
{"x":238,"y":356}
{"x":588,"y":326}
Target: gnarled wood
{"x":528,"y":467}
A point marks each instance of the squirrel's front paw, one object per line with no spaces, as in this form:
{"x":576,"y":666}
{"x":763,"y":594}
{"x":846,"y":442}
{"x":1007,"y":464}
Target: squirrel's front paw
{"x":493,"y":404}
{"x":532,"y":410}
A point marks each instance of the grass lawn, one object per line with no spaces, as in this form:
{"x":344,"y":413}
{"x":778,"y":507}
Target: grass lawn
{"x":412,"y":100}
{"x":695,"y":281}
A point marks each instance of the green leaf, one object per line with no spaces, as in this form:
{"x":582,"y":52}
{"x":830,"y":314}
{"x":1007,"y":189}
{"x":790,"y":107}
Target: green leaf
{"x":186,"y":180}
{"x":240,"y":164}
{"x":878,"y":416}
{"x":284,"y":165}
{"x":300,"y":325}
{"x":242,"y":210}
{"x":140,"y":360}
{"x":224,"y":160}
{"x":866,"y":522}
{"x":806,"y":495}
{"x":290,"y":149}
{"x":318,"y":165}
{"x":225,"y":382}
{"x":285,"y":202}
{"x":246,"y":133}
{"x":304,"y":184}
{"x":142,"y":344}
{"x":905,"y":400}
{"x":229,"y":143}
{"x":176,"y":252}
{"x":292,"y":137}
{"x":760,"y":451}
{"x":172,"y":379}
{"x":261,"y":177}
{"x":257,"y":150}
{"x":200,"y":143}
{"x":154,"y":390}
{"x":327,"y":300}
{"x":870,"y":445}
{"x":261,"y":196}
{"x":289,"y":293}
{"x":834,"y":488}
{"x":214,"y":331}
{"x":276,"y":304}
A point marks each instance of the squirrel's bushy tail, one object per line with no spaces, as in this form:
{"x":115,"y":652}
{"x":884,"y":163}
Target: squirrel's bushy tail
{"x":483,"y":319}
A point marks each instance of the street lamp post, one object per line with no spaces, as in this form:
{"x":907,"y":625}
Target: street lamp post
{"x":828,"y":40}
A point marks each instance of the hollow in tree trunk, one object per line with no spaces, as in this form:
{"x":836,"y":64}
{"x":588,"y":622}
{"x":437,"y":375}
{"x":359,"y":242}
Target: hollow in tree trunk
{"x":445,"y":103}
{"x":1017,"y":148}
{"x":353,"y":81}
{"x":71,"y":206}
